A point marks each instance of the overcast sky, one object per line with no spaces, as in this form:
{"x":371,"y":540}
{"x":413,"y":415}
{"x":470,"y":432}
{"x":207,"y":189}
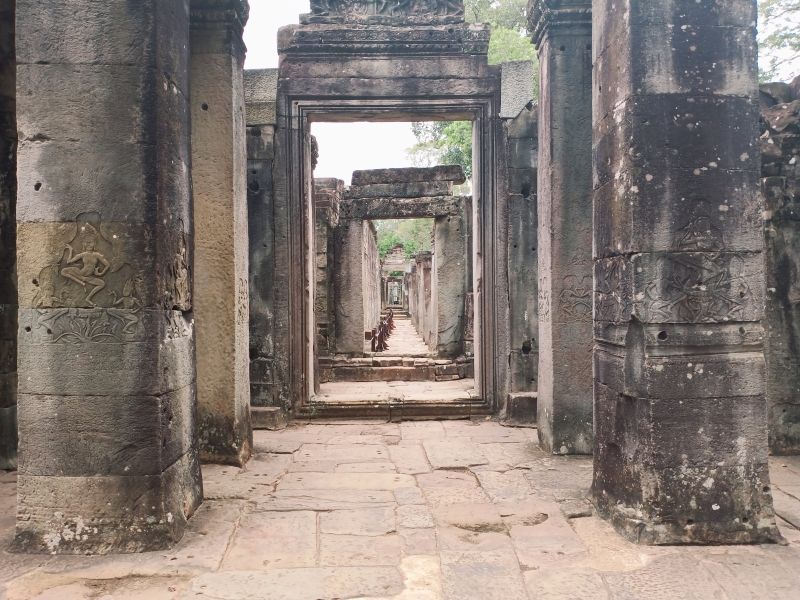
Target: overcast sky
{"x":344,"y":147}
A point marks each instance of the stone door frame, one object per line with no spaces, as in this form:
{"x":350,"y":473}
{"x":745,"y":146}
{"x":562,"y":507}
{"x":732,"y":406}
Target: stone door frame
{"x":487,"y":231}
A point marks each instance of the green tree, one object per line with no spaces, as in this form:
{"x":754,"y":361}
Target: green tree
{"x":779,"y":38}
{"x":414,"y":235}
{"x":450,"y":143}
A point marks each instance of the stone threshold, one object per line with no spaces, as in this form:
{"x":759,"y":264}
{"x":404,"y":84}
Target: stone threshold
{"x":393,"y":411}
{"x":394,"y":368}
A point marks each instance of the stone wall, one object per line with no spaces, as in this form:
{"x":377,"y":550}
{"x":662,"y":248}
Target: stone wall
{"x":780,"y":169}
{"x":8,"y":242}
{"x":260,"y":92}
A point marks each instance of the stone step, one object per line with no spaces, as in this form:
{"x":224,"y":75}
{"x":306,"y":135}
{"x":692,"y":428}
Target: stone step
{"x":421,"y":372}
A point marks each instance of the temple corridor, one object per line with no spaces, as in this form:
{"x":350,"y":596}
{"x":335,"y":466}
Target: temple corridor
{"x":430,"y":510}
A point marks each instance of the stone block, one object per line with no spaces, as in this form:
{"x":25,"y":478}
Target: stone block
{"x":521,"y":408}
{"x":270,"y":418}
{"x":516,"y":89}
{"x":99,"y":514}
{"x":94,"y":436}
{"x":451,"y":173}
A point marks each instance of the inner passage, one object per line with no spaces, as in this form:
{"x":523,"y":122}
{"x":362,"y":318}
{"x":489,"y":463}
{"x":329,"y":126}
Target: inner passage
{"x":393,"y":297}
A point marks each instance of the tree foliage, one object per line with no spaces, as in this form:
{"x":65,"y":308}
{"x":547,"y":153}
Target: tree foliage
{"x":414,"y":235}
{"x":779,"y":38}
{"x":450,"y":143}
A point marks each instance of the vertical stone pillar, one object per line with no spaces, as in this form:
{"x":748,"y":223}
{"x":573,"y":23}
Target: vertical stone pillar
{"x":450,"y":283}
{"x":108,"y":456}
{"x":563,"y":35}
{"x":349,"y":287}
{"x":522,"y":132}
{"x":8,"y":242}
{"x":680,"y":413}
{"x":327,"y":198}
{"x":426,"y":285}
{"x":219,"y":167}
{"x":261,"y":87}
{"x":371,"y":277}
{"x":780,"y":169}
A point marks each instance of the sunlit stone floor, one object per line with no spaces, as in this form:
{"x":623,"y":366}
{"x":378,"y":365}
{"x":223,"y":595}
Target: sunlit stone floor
{"x":412,"y":511}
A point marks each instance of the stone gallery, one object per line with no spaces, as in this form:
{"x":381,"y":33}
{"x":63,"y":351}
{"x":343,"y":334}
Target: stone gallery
{"x":607,"y":322}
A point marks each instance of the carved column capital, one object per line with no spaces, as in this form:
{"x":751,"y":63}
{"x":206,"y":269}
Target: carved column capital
{"x":544,"y":15}
{"x":229,"y":16}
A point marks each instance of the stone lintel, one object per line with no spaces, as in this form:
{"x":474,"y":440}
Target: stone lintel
{"x":544,"y":15}
{"x":381,"y":12}
{"x":415,"y":189}
{"x":453,"y":173}
{"x":401,"y":208}
{"x":351,"y":39}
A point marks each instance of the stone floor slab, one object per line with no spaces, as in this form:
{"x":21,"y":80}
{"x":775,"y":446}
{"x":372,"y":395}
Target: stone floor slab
{"x":363,"y":521}
{"x":322,"y":515}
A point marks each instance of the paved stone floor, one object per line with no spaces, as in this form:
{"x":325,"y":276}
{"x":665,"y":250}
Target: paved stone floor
{"x":404,"y":341}
{"x":411,"y":511}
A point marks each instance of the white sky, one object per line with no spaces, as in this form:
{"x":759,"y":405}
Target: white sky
{"x":344,"y":147}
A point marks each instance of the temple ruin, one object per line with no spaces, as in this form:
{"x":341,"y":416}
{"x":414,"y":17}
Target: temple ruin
{"x":622,"y":275}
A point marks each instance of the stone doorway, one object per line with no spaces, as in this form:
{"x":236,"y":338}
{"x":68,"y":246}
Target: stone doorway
{"x":479,"y":111}
{"x":393,"y":294}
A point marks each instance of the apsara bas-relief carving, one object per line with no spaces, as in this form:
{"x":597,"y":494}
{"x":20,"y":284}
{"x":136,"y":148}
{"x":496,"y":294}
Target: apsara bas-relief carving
{"x":387,"y":8}
{"x":182,"y":287}
{"x":697,"y":288}
{"x":94,"y":270}
{"x":575,"y":298}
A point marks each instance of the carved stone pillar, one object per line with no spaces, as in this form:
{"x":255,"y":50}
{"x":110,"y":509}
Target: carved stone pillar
{"x":563,"y":35}
{"x":8,"y":242}
{"x":219,"y":167}
{"x":449,"y":283}
{"x":108,"y":455}
{"x":680,"y":413}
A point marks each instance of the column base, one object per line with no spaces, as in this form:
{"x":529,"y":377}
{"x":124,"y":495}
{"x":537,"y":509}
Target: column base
{"x":223,"y":441}
{"x":631,"y":523}
{"x":95,"y":515}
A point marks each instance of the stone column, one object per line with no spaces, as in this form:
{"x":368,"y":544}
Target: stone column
{"x":371,"y":277}
{"x":260,"y":92}
{"x":680,"y":413}
{"x":219,"y":167}
{"x":327,"y":197}
{"x":450,"y":284}
{"x":780,"y":169}
{"x":563,"y":35}
{"x":428,"y":321}
{"x":108,"y":455}
{"x":8,"y":242}
{"x":349,"y":287}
